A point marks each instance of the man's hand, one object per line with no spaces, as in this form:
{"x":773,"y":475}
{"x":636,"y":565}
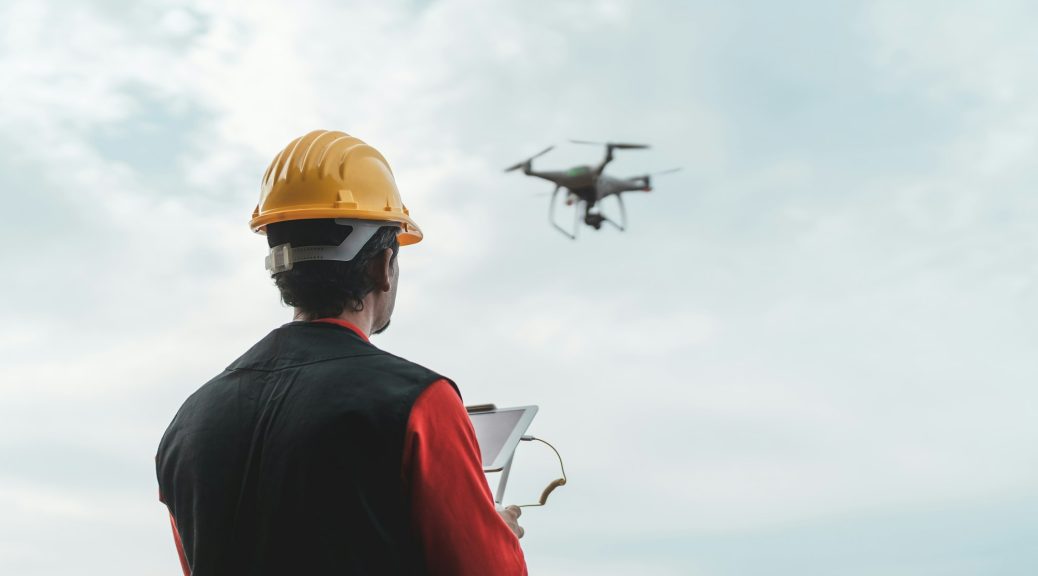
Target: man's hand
{"x":511,"y":517}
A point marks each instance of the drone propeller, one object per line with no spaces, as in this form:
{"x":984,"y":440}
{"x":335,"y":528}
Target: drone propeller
{"x":530,"y":159}
{"x":647,"y":178}
{"x":652,"y":174}
{"x":616,"y":145}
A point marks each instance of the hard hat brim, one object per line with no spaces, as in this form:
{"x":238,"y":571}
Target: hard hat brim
{"x":410,"y":233}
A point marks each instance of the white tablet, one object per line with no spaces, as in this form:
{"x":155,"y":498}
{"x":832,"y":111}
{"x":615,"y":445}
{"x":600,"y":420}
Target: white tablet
{"x":498,"y":431}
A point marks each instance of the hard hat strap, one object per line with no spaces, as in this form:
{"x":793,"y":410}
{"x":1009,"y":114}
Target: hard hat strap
{"x":283,"y":256}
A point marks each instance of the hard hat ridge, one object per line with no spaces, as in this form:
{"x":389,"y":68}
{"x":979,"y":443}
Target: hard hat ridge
{"x":330,"y":174}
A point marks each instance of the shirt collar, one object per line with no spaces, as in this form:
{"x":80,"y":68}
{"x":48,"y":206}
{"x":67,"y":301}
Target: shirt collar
{"x":344,"y":324}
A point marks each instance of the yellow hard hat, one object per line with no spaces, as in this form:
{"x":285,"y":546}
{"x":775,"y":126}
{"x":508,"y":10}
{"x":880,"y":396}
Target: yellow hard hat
{"x":328,"y":174}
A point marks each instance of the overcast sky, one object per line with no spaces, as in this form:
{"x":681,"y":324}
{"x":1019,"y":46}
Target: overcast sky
{"x":811,"y":353}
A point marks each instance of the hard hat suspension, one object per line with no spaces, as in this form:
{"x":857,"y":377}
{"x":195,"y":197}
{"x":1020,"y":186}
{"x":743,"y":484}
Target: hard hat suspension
{"x":283,"y":256}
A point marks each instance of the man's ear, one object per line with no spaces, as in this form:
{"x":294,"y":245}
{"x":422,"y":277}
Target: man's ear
{"x":382,"y":270}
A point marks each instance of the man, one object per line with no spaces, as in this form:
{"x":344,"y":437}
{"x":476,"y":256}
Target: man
{"x":316,"y":452}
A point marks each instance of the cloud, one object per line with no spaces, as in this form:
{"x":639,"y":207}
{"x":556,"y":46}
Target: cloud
{"x":823,"y":317}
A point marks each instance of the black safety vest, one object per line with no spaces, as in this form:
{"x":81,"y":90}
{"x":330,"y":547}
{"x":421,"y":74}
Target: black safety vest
{"x":289,"y":462}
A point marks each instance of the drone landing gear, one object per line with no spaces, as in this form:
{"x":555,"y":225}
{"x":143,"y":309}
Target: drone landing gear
{"x":551,"y":217}
{"x":595,"y":220}
{"x":592,"y":219}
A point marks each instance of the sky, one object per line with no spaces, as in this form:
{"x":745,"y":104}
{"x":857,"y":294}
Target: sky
{"x":809,"y":354}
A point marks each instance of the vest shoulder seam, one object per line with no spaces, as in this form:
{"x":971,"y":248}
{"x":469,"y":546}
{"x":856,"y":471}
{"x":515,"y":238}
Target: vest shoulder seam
{"x":298,"y":364}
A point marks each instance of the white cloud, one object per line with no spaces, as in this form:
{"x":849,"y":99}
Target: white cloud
{"x":783,"y":335}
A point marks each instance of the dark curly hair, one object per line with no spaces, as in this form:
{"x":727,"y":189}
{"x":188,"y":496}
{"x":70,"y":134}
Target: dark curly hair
{"x":325,"y":288}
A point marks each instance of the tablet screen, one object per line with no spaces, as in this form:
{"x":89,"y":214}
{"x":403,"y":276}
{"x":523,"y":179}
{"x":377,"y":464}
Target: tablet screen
{"x":493,"y":430}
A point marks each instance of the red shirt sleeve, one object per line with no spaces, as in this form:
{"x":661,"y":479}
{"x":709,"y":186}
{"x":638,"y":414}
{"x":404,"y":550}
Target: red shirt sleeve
{"x":452,"y":510}
{"x":180,"y":546}
{"x":176,"y":538}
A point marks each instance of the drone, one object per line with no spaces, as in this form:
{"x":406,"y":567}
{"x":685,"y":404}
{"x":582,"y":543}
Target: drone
{"x":587,"y":186}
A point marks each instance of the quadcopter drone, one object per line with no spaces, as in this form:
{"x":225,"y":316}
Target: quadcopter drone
{"x":586,"y":186}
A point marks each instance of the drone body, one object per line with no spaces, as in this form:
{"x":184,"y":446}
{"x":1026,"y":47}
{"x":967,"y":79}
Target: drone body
{"x":587,"y":186}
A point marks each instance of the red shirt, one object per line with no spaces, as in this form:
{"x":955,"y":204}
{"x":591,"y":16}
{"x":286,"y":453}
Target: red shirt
{"x":452,"y":509}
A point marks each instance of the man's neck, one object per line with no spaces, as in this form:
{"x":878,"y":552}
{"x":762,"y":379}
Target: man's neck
{"x":364,"y":319}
